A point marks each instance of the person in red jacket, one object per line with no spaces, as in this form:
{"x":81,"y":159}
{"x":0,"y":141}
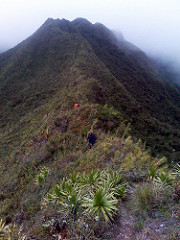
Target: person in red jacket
{"x":76,"y":105}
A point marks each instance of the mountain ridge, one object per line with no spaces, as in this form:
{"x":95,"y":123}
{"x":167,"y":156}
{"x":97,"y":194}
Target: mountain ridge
{"x":134,"y":112}
{"x":82,"y":56}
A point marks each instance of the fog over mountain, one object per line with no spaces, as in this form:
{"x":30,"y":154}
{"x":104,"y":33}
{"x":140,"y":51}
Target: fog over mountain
{"x":150,"y":25}
{"x":63,"y":80}
{"x":115,"y":72}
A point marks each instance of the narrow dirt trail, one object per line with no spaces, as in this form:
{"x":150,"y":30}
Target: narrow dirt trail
{"x":129,"y":227}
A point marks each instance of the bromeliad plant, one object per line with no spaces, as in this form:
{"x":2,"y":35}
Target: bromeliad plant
{"x":91,"y":180}
{"x":114,"y":183}
{"x":155,"y":167}
{"x":164,"y":177}
{"x":100,"y":204}
{"x":94,"y":194}
{"x":42,"y":175}
{"x":67,"y":195}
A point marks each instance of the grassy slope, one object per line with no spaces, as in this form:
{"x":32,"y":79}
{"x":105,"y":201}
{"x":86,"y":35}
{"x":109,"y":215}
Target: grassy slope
{"x":154,"y":109}
{"x":63,"y":149}
{"x":40,"y":127}
{"x":63,"y":69}
{"x":24,"y":147}
{"x":87,"y":60}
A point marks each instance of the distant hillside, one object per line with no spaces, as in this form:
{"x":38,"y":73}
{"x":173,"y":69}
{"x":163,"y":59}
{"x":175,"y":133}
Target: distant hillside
{"x":1,"y":51}
{"x":169,"y":70}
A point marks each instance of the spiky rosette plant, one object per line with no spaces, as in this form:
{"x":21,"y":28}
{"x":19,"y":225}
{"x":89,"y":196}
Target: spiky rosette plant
{"x":100,"y":204}
{"x":152,"y":172}
{"x":164,"y":177}
{"x":67,"y":195}
{"x":113,"y":183}
{"x":74,"y":177}
{"x":91,"y":195}
{"x":92,"y":179}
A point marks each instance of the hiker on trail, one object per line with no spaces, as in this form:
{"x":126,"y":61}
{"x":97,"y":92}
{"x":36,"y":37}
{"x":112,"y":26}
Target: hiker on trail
{"x":91,"y":139}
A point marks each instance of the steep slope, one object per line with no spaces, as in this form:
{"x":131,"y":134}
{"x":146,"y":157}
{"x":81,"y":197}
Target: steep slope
{"x":83,"y":62}
{"x":114,"y":83}
{"x":157,"y":102}
{"x":55,"y":65}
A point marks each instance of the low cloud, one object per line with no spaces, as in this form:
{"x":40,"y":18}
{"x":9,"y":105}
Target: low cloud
{"x":153,"y":26}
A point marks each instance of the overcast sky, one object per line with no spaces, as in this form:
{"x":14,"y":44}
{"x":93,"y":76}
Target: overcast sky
{"x":152,"y":25}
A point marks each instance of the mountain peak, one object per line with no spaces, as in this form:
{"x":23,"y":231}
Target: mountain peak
{"x":80,"y":20}
{"x":58,"y":24}
{"x":114,"y":71}
{"x":120,"y":95}
{"x":51,"y":21}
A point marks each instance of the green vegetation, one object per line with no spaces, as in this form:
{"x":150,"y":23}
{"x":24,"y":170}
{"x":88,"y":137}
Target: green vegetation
{"x":51,"y":184}
{"x":42,"y":175}
{"x":72,"y":65}
{"x":10,"y":232}
{"x":57,"y":177}
{"x":92,"y":194}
